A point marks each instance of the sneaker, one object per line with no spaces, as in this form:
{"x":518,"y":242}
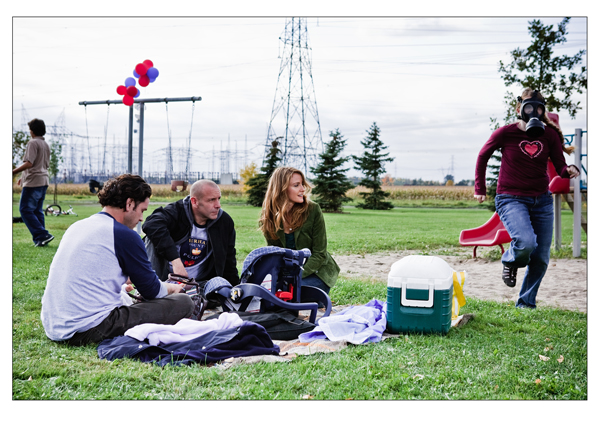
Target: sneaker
{"x":46,"y":241}
{"x":509,"y":276}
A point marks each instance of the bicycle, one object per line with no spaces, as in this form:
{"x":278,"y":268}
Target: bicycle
{"x":56,"y":210}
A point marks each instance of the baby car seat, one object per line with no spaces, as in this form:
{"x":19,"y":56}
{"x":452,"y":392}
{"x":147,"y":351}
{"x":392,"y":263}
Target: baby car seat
{"x":286,"y":290}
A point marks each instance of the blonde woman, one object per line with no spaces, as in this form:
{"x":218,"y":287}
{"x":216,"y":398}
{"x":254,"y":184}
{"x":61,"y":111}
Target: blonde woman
{"x":290,"y":220}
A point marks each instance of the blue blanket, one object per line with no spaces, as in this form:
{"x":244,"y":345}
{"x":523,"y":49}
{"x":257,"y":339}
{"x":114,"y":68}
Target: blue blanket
{"x":249,"y":339}
{"x":356,"y":324}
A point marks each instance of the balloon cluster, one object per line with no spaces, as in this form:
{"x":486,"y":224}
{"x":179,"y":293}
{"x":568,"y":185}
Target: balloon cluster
{"x":146,"y":73}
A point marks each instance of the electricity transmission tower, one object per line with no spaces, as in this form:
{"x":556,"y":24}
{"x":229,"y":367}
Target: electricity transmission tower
{"x":294,"y":117}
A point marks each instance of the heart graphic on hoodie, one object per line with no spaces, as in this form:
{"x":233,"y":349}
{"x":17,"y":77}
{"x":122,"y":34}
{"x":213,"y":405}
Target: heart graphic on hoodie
{"x":532,"y":149}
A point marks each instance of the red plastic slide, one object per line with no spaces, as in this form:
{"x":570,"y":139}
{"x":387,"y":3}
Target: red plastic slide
{"x":490,"y":233}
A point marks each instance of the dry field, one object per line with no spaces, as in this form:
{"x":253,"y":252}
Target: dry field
{"x":452,"y":193}
{"x":158,"y":190}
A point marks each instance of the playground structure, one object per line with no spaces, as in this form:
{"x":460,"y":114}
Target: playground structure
{"x":491,"y":233}
{"x":142,"y":102}
{"x":574,"y":194}
{"x":102,"y":156}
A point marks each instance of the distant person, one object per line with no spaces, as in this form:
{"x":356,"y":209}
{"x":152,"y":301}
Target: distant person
{"x":34,"y":182}
{"x":523,"y":201}
{"x":98,"y":257}
{"x":290,"y":220}
{"x":193,"y":237}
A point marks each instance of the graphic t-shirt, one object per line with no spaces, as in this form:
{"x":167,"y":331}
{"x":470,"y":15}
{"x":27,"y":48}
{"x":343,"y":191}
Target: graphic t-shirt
{"x":195,"y":250}
{"x":523,"y":169}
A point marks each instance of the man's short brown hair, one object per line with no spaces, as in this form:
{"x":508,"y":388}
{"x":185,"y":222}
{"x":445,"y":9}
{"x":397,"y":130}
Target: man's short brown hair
{"x":37,"y":127}
{"x":116,"y":191}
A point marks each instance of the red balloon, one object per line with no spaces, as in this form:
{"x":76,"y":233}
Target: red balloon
{"x":132,"y":91}
{"x":148,"y":63}
{"x":144,"y":80}
{"x":128,"y":100}
{"x":121,"y":90}
{"x":141,"y":69}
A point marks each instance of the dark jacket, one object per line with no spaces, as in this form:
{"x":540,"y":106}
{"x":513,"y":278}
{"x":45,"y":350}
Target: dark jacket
{"x":171,"y":225}
{"x":312,"y":235}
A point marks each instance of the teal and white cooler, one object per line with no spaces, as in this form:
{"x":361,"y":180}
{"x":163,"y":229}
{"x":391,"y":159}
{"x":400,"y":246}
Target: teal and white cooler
{"x":419,"y":295}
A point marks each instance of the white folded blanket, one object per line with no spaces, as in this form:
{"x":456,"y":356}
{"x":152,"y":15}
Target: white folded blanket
{"x":184,"y":330}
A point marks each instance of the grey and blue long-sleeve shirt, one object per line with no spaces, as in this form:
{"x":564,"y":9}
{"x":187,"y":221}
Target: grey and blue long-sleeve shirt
{"x":93,"y":261}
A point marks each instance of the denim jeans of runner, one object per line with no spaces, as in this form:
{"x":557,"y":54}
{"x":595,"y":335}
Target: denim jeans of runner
{"x":31,"y":207}
{"x":529,"y":221}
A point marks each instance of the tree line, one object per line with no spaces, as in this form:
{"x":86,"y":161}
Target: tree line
{"x":330,"y":181}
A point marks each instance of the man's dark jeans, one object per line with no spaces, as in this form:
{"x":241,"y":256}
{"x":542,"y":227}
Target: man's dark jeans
{"x":166,"y":311}
{"x":31,"y":207}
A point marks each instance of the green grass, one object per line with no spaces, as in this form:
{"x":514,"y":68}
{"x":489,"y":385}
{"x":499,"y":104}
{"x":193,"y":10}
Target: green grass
{"x":494,"y":356}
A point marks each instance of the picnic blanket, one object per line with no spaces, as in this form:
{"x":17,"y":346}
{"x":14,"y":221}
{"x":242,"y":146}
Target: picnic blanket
{"x":184,"y":330}
{"x":355,"y":324}
{"x":248,"y":339}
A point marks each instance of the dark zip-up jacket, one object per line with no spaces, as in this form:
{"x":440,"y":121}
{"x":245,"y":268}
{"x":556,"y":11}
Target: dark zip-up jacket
{"x":171,"y":225}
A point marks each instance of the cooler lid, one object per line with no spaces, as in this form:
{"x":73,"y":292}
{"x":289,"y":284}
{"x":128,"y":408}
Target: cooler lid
{"x":421,"y":267}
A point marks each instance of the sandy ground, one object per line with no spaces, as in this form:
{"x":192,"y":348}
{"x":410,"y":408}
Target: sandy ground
{"x":564,"y":286}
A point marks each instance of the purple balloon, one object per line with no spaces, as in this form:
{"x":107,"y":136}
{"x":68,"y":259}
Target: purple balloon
{"x":135,"y":74}
{"x":152,"y":73}
{"x":137,"y":94}
{"x":129,"y":81}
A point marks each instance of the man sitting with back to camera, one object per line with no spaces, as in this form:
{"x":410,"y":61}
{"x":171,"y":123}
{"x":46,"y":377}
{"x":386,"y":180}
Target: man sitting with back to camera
{"x":97,"y":256}
{"x":193,"y":237}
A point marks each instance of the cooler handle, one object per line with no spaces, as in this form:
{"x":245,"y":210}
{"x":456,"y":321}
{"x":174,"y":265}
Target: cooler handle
{"x":417,"y":303}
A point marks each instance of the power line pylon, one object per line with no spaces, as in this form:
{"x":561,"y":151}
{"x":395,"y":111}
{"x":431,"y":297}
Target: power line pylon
{"x":24,"y":120}
{"x":294,"y":116}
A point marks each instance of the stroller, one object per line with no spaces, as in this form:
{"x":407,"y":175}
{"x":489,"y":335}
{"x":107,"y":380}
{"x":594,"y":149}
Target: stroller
{"x":284,"y":290}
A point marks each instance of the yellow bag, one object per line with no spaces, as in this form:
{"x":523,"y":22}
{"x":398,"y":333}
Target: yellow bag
{"x":458,"y":300}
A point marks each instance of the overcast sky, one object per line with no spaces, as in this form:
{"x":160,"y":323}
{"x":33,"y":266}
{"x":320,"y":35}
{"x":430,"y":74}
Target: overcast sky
{"x":430,"y":84}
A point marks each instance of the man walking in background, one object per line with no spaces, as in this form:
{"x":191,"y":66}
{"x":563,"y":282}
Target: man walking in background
{"x":34,"y":182}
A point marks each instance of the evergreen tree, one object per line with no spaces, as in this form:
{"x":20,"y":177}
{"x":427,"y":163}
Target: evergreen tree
{"x":259,"y":183}
{"x":371,"y":163}
{"x":56,"y":160}
{"x":330,"y":180}
{"x":537,"y":67}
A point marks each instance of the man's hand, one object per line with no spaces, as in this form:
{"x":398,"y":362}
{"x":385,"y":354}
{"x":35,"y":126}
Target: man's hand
{"x":178,"y":267}
{"x":480,"y":198}
{"x":173,"y":288}
{"x":573,"y":171}
{"x":25,"y":166}
{"x":128,"y":285}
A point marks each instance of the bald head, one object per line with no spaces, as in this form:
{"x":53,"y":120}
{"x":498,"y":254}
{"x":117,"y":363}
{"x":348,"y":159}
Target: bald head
{"x":205,"y":197}
{"x":199,"y":188}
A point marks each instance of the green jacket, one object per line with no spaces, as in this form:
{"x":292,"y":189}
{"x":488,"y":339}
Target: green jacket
{"x":312,"y":235}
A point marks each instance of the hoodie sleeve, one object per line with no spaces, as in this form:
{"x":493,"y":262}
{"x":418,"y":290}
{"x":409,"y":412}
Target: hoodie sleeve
{"x":159,"y":227}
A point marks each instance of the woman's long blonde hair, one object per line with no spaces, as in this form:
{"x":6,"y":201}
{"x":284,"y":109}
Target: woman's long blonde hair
{"x":527,"y":93}
{"x":276,"y":203}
